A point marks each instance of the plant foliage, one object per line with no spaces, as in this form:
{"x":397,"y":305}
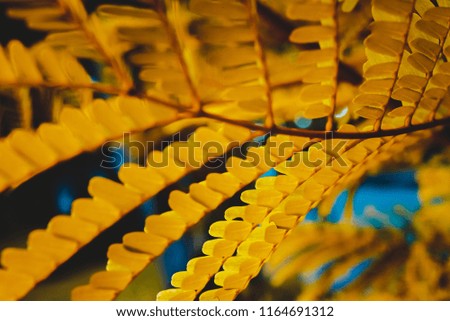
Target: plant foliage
{"x":320,"y":91}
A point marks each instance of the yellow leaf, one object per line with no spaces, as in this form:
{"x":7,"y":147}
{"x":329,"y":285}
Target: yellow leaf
{"x":98,"y":212}
{"x":204,"y":265}
{"x":89,"y":293}
{"x":406,"y":95}
{"x":395,"y":29}
{"x":114,"y":193}
{"x":241,"y":169}
{"x":6,"y":72}
{"x":189,"y":281}
{"x":14,"y":285}
{"x":412,"y":82}
{"x":121,"y":259}
{"x":426,"y":47}
{"x":401,"y":111}
{"x":267,"y":198}
{"x":232,"y":56}
{"x":435,"y":93}
{"x":59,"y":249}
{"x":370,"y":112}
{"x":440,"y":80}
{"x":381,"y":71}
{"x":60,"y":139}
{"x":317,"y":75}
{"x":349,"y":5}
{"x":269,"y":233}
{"x":115,"y":123}
{"x":90,"y":134}
{"x":224,"y":183}
{"x":165,"y":225}
{"x":315,"y":93}
{"x":316,"y":56}
{"x":317,"y":111}
{"x":218,"y":35}
{"x":282,"y":183}
{"x":73,"y":229}
{"x":176,"y":295}
{"x":432,"y":29}
{"x":205,"y":196}
{"x":183,"y":204}
{"x":377,"y":86}
{"x":30,"y":146}
{"x":309,"y":11}
{"x":219,"y":295}
{"x":219,"y":248}
{"x":145,"y":180}
{"x":145,"y":242}
{"x":230,"y":230}
{"x":12,"y":164}
{"x":384,"y":45}
{"x":258,"y":249}
{"x":74,"y":70}
{"x":421,"y":62}
{"x":371,"y":100}
{"x":242,"y":264}
{"x":23,"y":63}
{"x":394,"y":7}
{"x":113,"y":280}
{"x":231,"y":280}
{"x":310,"y":34}
{"x":253,"y":214}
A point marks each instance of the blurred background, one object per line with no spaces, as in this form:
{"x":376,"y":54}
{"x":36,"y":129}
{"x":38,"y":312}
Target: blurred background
{"x":385,"y":201}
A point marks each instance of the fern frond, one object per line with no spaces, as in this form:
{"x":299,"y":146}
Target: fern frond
{"x":227,"y":71}
{"x":26,"y":153}
{"x":417,"y":70}
{"x":309,"y":247}
{"x":154,"y":52}
{"x":186,"y":210}
{"x":70,"y":27}
{"x":111,"y":200}
{"x":318,"y":99}
{"x":326,"y":248}
{"x":260,"y":240}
